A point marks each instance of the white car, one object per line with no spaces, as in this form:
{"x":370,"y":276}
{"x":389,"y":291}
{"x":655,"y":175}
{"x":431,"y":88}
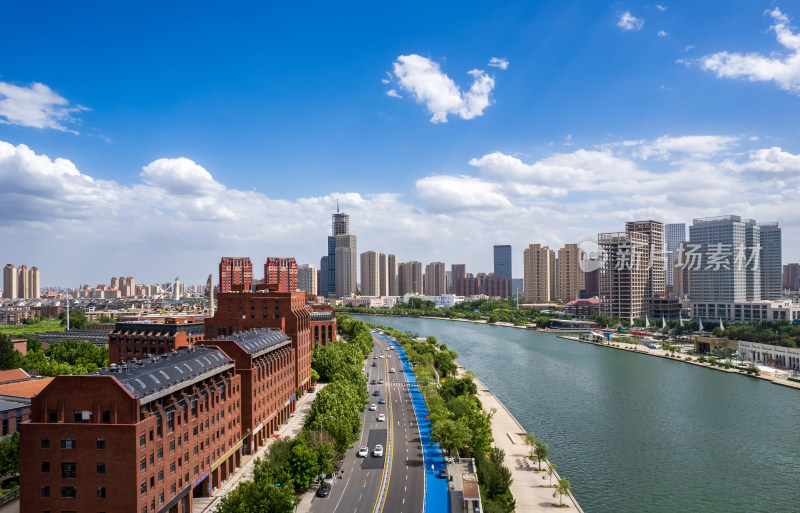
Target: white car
{"x":375,"y":357}
{"x":378,"y":452}
{"x":388,"y":356}
{"x":363,"y":452}
{"x":381,"y":417}
{"x":381,"y":356}
{"x":373,"y":407}
{"x":392,"y":370}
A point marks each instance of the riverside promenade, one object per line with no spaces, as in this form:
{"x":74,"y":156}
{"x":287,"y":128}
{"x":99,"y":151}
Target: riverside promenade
{"x":530,"y":487}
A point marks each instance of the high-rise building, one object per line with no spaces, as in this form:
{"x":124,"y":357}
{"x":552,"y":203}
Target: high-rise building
{"x":10,"y":276}
{"x":502,"y":262}
{"x":393,"y":275}
{"x":307,"y":279}
{"x":623,"y":277}
{"x":346,"y":257}
{"x":281,"y":272}
{"x":791,"y":277}
{"x":682,"y":284}
{"x":771,"y":263}
{"x":435,"y":280}
{"x":371,"y":273}
{"x":539,"y":268}
{"x":571,"y":278}
{"x":723,"y":259}
{"x":411,"y":275}
{"x":322,"y":282}
{"x":656,"y":277}
{"x":23,"y":282}
{"x":674,"y":233}
{"x":235,"y":273}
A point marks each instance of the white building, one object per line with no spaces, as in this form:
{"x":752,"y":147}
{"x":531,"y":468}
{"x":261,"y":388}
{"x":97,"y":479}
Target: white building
{"x":735,"y":311}
{"x":779,"y":356}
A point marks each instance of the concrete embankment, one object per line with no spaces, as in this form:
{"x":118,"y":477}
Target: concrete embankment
{"x":530,"y":487}
{"x":775,"y":378}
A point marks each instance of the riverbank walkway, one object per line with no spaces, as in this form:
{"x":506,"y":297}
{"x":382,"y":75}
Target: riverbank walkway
{"x":530,"y":487}
{"x":776,"y":376}
{"x":290,"y":429}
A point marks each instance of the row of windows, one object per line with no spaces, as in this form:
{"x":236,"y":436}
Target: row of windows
{"x":70,"y":492}
{"x":71,"y":443}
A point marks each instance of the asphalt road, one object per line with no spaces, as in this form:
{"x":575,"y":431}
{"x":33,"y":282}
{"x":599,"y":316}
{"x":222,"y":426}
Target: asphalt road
{"x":400,"y":470}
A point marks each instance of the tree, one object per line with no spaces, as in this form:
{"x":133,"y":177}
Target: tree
{"x":562,"y":488}
{"x":10,"y":358}
{"x":260,"y":495}
{"x":9,"y":455}
{"x":303,"y":465}
{"x":77,"y":319}
{"x":480,"y":425}
{"x":530,"y":441}
{"x":551,"y":469}
{"x":452,"y":435}
{"x":541,"y":451}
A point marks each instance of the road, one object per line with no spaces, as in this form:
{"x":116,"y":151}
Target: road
{"x":399,"y":473}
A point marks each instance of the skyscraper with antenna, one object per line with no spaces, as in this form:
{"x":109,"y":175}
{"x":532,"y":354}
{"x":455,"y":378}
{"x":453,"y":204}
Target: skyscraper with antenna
{"x":341,"y":278}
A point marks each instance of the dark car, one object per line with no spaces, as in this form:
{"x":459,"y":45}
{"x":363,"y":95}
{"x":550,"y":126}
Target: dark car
{"x":372,"y":382}
{"x":376,"y":393}
{"x":374,"y":364}
{"x":382,"y":401}
{"x":443,"y":473}
{"x":324,"y":489}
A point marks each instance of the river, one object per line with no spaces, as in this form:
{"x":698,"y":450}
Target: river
{"x":633,"y":432}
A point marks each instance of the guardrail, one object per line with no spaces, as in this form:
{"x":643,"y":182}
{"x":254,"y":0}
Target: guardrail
{"x":9,"y":496}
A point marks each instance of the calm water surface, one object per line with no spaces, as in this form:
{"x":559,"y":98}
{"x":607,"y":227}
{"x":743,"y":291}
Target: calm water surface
{"x":633,"y":432}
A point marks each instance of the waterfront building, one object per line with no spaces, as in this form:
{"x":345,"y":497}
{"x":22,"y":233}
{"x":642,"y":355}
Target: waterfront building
{"x":435,"y":283}
{"x":322,"y":322}
{"x":723,"y":260}
{"x":235,"y":273}
{"x":745,"y":311}
{"x":681,"y":277}
{"x":674,"y":234}
{"x":307,"y":279}
{"x":410,"y":276}
{"x":281,"y":272}
{"x":340,"y":225}
{"x":346,"y":261}
{"x":791,"y":277}
{"x":502,"y":261}
{"x":654,"y":265}
{"x":539,"y":264}
{"x":371,"y":274}
{"x":770,"y":265}
{"x":392,"y":274}
{"x":147,"y":436}
{"x":571,"y":278}
{"x":582,"y":307}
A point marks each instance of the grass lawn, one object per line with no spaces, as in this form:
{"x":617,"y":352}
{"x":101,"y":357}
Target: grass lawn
{"x":30,"y":329}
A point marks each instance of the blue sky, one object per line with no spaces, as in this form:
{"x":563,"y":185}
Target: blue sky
{"x":151,"y":140}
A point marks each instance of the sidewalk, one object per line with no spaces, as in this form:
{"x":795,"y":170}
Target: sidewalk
{"x":245,"y":473}
{"x":530,"y":487}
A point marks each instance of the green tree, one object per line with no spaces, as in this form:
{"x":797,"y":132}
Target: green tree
{"x":10,"y":358}
{"x":77,"y":320}
{"x":530,"y":442}
{"x":452,"y":435}
{"x":303,"y":465}
{"x":480,"y":426}
{"x":260,"y":495}
{"x":562,"y":488}
{"x":551,"y":469}
{"x":541,"y":451}
{"x":9,"y":455}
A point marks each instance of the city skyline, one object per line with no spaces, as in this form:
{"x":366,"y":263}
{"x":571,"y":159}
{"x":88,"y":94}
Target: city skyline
{"x":157,"y":155}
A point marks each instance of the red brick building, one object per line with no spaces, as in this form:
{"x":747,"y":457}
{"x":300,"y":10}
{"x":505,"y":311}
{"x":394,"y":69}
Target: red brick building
{"x":235,"y":273}
{"x":265,"y":361}
{"x":281,"y":272}
{"x":136,"y":339}
{"x":143,"y":437}
{"x":323,"y":323}
{"x":284,"y":311}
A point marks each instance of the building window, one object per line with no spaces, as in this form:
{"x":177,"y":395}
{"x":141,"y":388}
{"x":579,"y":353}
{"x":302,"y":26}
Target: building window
{"x":172,"y":446}
{"x":101,"y":468}
{"x":142,"y":439}
{"x":69,"y":492}
{"x":172,"y":489}
{"x":45,"y":491}
{"x":160,"y":453}
{"x":106,"y":416}
{"x":152,"y":459}
{"x":161,"y":498}
{"x":143,"y":488}
{"x":53,"y":416}
{"x":69,"y":469}
{"x":142,"y":464}
{"x":68,"y":443}
{"x":101,"y":443}
{"x":101,"y":492}
{"x":45,"y":443}
{"x":160,"y":475}
{"x":45,"y":466}
{"x":172,"y":467}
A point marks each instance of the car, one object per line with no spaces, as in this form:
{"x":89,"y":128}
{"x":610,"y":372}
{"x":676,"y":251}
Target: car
{"x":380,"y":382}
{"x":381,"y":356}
{"x":392,"y":370}
{"x":373,"y":407}
{"x":378,"y":452}
{"x":311,"y":390}
{"x":373,"y":381}
{"x":324,"y":489}
{"x":382,"y":401}
{"x":375,"y":357}
{"x":388,"y":356}
{"x":363,"y":452}
{"x":381,"y":417}
{"x":443,"y":473}
{"x":376,"y":393}
{"x":374,"y":364}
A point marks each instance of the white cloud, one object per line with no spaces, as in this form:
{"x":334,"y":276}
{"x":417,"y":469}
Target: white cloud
{"x":784,"y":70}
{"x":696,"y":145}
{"x":627,"y":21}
{"x":36,"y":106}
{"x":661,"y":8}
{"x":393,"y":93}
{"x":662,"y":33}
{"x":424,"y":80}
{"x":497,"y":62}
{"x":772,"y":160}
{"x":457,"y":193}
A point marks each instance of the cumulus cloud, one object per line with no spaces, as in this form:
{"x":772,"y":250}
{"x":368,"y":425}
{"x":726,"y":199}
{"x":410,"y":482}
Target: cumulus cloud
{"x":771,"y":160}
{"x":696,"y":145}
{"x":661,"y":8}
{"x":784,"y":69}
{"x":662,"y":33}
{"x":425,"y":81}
{"x":393,"y":93}
{"x":627,"y":21}
{"x":497,"y":62}
{"x":35,"y":106}
{"x":458,"y":193}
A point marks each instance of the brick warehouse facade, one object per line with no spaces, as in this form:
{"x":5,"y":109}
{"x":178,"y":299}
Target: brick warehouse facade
{"x":266,"y":308}
{"x":136,"y":339}
{"x":265,"y":361}
{"x":142,"y":437}
{"x":323,"y":323}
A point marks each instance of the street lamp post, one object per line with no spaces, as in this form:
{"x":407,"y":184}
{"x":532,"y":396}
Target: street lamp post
{"x":320,"y":425}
